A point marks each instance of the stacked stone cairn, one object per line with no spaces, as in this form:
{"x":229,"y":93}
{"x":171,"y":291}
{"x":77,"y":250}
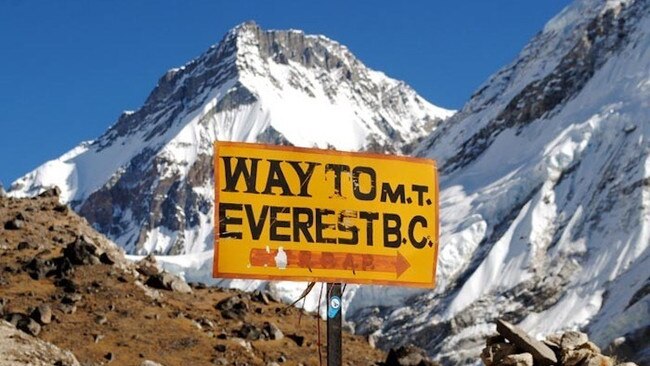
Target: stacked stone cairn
{"x":513,"y":347}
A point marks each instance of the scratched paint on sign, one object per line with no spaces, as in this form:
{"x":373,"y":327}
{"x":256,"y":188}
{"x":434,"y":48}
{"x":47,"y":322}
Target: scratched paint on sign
{"x":320,"y":215}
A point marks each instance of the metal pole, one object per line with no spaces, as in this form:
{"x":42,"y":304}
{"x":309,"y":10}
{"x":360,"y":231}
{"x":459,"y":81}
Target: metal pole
{"x":334,"y":317}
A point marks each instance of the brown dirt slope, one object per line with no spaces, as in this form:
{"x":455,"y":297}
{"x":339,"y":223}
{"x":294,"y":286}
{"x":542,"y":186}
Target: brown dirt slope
{"x":103,"y":313}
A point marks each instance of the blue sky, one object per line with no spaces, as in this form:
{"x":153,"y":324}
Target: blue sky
{"x":68,"y":68}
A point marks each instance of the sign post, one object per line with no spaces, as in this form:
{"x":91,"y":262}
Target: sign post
{"x":287,"y":213}
{"x":334,"y":324}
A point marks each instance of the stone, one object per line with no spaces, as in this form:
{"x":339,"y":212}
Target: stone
{"x":18,"y":348}
{"x":494,"y":352}
{"x":109,"y":356}
{"x":233,"y":307}
{"x":167,"y":281}
{"x":575,"y":357}
{"x":105,"y":258}
{"x":521,"y":359}
{"x":178,"y":285}
{"x":67,"y":308}
{"x":298,"y":339}
{"x":260,"y":296}
{"x":14,"y":224}
{"x":539,"y":351}
{"x":573,"y":340}
{"x":148,"y":266}
{"x":71,"y":298}
{"x":61,"y":208}
{"x":243,"y":343}
{"x":14,"y":318}
{"x":39,"y":268}
{"x":407,"y":356}
{"x":42,"y":314}
{"x":23,"y":245}
{"x":101,"y":319}
{"x":150,"y":363}
{"x":81,"y":252}
{"x":29,"y":326}
{"x":272,"y":331}
{"x":220,"y":348}
{"x":249,"y":332}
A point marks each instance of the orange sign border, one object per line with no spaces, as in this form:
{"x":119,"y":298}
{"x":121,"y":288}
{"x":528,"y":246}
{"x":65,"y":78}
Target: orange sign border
{"x":217,"y":274}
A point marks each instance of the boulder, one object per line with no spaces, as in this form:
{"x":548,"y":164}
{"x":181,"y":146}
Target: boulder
{"x":81,"y":251}
{"x":167,"y":281}
{"x":540,"y":352}
{"x":520,"y":359}
{"x":42,"y":314}
{"x":260,"y":296}
{"x":14,"y":224}
{"x":233,"y":307}
{"x":29,"y":326}
{"x":106,"y":258}
{"x":249,"y":332}
{"x":575,"y":357}
{"x":148,"y":266}
{"x":39,"y":268}
{"x":24,"y":245}
{"x":271,"y":331}
{"x":573,"y":339}
{"x":20,"y":349}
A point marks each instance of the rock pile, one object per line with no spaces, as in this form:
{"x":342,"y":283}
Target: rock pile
{"x":513,"y":347}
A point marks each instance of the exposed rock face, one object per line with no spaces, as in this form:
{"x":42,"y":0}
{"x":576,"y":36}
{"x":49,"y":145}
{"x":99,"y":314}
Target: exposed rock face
{"x":155,"y":191}
{"x":20,"y":349}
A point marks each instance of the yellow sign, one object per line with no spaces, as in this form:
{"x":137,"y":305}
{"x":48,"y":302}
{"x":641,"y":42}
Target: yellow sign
{"x":320,"y":215}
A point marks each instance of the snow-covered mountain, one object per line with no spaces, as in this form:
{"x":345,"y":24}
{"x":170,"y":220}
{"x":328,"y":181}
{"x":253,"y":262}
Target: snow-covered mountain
{"x":147,"y":182}
{"x":545,"y":194}
{"x":545,"y":186}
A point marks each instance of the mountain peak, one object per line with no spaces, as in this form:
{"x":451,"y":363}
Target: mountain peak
{"x":147,"y":182}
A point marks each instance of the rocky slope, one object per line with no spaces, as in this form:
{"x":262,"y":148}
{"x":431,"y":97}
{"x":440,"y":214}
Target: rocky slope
{"x":545,"y":194}
{"x":64,"y":286}
{"x":147,"y":182}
